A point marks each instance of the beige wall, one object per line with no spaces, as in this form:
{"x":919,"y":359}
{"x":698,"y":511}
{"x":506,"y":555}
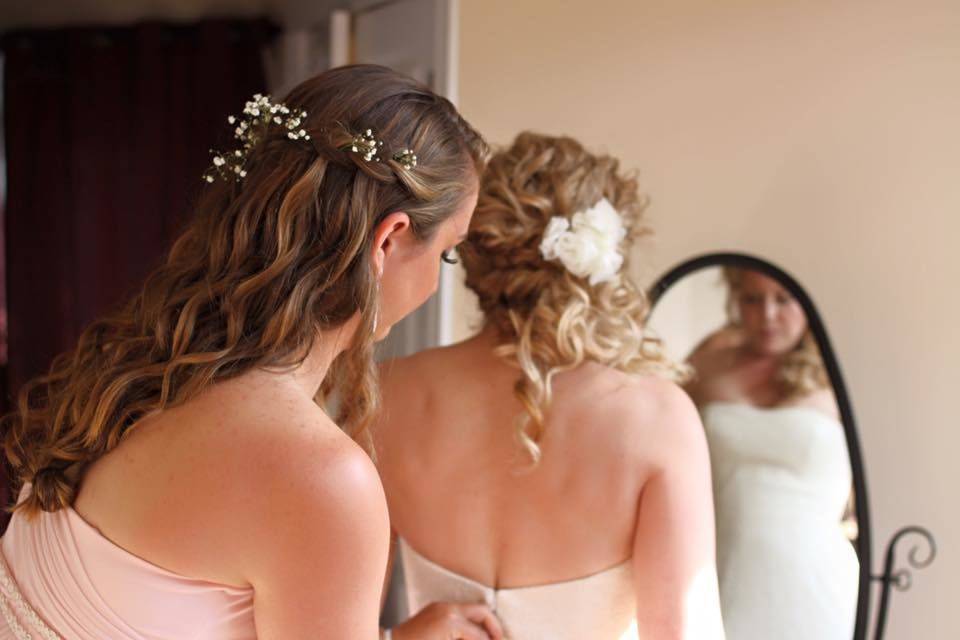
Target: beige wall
{"x":824,"y":136}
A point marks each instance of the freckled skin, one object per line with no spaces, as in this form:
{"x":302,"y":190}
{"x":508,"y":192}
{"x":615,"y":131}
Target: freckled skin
{"x":251,"y":484}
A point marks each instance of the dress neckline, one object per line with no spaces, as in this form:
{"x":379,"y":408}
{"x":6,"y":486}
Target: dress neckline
{"x":112,"y":547}
{"x":778,"y":408}
{"x":626,"y":565}
{"x":78,"y":524}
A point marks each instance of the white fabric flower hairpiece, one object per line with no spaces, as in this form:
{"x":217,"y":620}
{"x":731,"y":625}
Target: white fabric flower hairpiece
{"x":587,"y":245}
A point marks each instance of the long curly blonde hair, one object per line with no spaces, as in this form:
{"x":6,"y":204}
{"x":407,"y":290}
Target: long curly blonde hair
{"x":264,"y":266}
{"x":548,"y":319}
{"x":801,"y":370}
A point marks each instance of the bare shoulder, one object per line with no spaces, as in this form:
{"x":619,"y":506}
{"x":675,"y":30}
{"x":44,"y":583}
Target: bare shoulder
{"x":655,"y":400}
{"x":400,"y":386}
{"x":405,"y":384}
{"x":657,"y":415}
{"x":306,"y":456}
{"x":307,"y":502}
{"x":221,"y":487}
{"x":298,"y":483}
{"x":720,"y":341}
{"x":710,"y":362}
{"x":408,"y":372}
{"x":397,"y":370}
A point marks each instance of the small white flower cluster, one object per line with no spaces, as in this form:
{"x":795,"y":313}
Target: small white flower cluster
{"x":261,"y":109}
{"x":257,"y":113}
{"x":590,"y":246}
{"x":406,"y":158}
{"x":366,"y":145}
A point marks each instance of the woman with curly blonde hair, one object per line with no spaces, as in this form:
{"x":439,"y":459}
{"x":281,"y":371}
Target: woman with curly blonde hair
{"x":549,"y":466}
{"x":180,"y":477}
{"x":763,"y":320}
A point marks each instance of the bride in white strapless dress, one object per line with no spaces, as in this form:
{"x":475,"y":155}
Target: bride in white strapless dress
{"x":590,"y":518}
{"x":781,"y":470}
{"x":781,"y":482}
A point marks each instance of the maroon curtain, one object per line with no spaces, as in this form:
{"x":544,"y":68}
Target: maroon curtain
{"x":107,"y":136}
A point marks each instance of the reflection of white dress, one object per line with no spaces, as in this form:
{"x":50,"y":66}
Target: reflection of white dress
{"x":597,"y":607}
{"x":781,"y":480}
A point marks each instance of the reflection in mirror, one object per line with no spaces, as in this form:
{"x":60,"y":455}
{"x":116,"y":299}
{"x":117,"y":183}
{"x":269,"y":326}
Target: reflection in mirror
{"x":781,"y":469}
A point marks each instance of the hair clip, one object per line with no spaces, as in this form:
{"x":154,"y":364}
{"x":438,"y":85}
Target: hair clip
{"x":257,"y":114}
{"x":366,"y":145}
{"x":406,"y":158}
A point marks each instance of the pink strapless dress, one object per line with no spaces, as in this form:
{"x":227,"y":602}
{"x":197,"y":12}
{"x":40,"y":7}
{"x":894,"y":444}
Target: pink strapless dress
{"x":61,"y":578}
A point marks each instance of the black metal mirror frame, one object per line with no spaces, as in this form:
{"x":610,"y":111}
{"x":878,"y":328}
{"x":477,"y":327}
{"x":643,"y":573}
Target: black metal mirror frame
{"x":863,"y":542}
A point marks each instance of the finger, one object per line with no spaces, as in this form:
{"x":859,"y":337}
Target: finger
{"x":492,"y":624}
{"x":466,"y":630}
{"x":482,"y":615}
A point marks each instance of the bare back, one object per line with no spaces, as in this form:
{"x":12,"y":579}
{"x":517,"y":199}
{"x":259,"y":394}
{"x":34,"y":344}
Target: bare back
{"x":460,"y":487}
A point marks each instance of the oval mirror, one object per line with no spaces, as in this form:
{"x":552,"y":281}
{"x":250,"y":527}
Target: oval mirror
{"x":793,"y":536}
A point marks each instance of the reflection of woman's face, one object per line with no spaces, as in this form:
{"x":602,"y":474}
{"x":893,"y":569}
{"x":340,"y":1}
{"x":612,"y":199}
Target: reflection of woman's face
{"x":773,"y":321}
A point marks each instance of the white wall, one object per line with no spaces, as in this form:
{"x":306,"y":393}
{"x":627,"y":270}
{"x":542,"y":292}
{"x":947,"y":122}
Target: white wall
{"x":824,"y":136}
{"x":692,"y":309}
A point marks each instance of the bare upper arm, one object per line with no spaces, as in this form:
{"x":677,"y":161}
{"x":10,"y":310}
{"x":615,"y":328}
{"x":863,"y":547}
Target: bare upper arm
{"x":317,"y":542}
{"x":723,"y":338}
{"x":674,"y":546}
{"x":706,"y":356}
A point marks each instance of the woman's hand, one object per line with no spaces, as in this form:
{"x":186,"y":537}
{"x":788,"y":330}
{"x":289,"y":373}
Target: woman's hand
{"x":450,"y":621}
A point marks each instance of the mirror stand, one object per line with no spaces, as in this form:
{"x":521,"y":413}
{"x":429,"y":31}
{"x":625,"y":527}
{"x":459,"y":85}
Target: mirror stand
{"x":901,"y":579}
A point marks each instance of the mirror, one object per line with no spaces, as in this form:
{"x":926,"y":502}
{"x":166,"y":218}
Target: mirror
{"x":792,"y":540}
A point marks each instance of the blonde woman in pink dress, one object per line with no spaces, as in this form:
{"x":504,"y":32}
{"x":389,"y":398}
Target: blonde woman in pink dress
{"x":548,"y":467}
{"x":180,"y":477}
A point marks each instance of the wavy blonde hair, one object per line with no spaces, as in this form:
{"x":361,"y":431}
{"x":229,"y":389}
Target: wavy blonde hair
{"x":802,"y":370}
{"x":549,"y":319}
{"x":263,"y":267}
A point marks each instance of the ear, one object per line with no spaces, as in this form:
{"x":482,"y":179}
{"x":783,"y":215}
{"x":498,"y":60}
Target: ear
{"x":385,"y":237}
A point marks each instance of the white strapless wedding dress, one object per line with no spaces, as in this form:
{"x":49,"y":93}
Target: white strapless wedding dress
{"x":781,"y":481}
{"x":601,"y":606}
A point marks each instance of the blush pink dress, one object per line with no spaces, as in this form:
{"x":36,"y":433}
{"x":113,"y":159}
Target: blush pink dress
{"x":61,"y":578}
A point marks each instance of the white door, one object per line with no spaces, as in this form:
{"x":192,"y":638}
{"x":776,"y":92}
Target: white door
{"x":418,"y":38}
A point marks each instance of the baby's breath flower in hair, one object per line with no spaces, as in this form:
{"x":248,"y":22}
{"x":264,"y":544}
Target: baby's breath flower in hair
{"x":366,"y":144}
{"x":406,"y":158}
{"x":258,"y":113}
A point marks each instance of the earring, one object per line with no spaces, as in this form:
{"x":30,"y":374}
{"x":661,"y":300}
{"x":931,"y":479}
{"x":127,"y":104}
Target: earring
{"x":376,"y":308}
